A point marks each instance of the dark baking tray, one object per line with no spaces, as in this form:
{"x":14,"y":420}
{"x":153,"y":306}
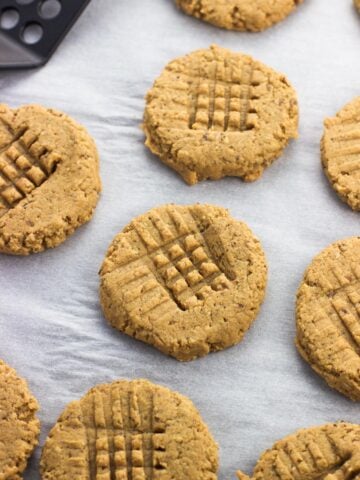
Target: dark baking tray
{"x":14,"y":51}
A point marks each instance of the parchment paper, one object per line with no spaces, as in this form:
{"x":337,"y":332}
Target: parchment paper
{"x":51,"y":327}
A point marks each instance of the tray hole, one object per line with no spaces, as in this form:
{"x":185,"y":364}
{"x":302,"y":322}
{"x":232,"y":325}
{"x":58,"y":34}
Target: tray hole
{"x":32,"y":33}
{"x":9,"y":18}
{"x":50,"y":9}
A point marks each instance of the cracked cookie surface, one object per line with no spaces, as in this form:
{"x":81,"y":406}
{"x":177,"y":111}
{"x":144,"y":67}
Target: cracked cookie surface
{"x":130,"y":430}
{"x":186,"y":279}
{"x":49,"y":179}
{"x":330,"y":451}
{"x":252,"y":15}
{"x":328,"y":316}
{"x":216,"y":113}
{"x":19,"y":425}
{"x":340,"y":150}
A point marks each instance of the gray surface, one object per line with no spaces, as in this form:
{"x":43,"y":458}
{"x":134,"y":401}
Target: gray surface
{"x":51,"y":327}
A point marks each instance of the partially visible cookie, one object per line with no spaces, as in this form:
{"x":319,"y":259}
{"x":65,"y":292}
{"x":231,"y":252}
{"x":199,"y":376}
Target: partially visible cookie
{"x":341,"y":153}
{"x":130,"y":430}
{"x":329,"y":451}
{"x":357,"y":4}
{"x":19,"y":426}
{"x":49,"y":178}
{"x":216,"y":113}
{"x":252,"y":15}
{"x":328,"y":316}
{"x":188,"y":280}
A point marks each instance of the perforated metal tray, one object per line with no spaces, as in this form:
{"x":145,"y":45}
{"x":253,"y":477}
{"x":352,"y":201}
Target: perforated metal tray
{"x":31,"y":30}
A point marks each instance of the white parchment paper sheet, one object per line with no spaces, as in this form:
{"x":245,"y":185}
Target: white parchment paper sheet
{"x":51,"y":327}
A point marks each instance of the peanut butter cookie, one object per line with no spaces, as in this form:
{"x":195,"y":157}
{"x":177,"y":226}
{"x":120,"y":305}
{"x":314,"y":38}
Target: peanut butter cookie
{"x":49,"y":179}
{"x":328,"y":316}
{"x":341,"y":153}
{"x":130,"y":430}
{"x":187,"y":279}
{"x":215,"y":113}
{"x":330,"y":451}
{"x":252,"y":15}
{"x":19,"y":427}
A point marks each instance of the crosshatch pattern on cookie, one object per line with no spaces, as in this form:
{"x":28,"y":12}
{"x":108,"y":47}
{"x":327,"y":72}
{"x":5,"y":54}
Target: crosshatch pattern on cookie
{"x":340,"y":304}
{"x":313,"y":453}
{"x":178,"y":270}
{"x":345,"y":152}
{"x":221,"y":96}
{"x":125,"y":439}
{"x":130,"y":431}
{"x":302,"y":456}
{"x":24,"y":166}
{"x":328,"y":316}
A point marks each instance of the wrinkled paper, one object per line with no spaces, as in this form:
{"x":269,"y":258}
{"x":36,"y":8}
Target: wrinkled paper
{"x":51,"y":326}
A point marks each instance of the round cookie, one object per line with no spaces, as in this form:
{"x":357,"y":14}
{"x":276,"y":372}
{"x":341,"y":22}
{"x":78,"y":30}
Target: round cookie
{"x":19,"y":426}
{"x":328,"y":316}
{"x":49,"y":179}
{"x":186,"y":279}
{"x":130,"y":430}
{"x":252,"y":15}
{"x":329,"y":451}
{"x":340,"y":150}
{"x":215,"y":113}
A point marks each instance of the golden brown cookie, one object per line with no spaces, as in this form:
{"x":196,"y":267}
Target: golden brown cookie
{"x":187,"y":279}
{"x":328,"y":316}
{"x":19,"y":426}
{"x":340,"y":150}
{"x":215,"y":113}
{"x":252,"y":15}
{"x":49,"y":179}
{"x":329,"y":451}
{"x":357,"y":4}
{"x":130,"y":430}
